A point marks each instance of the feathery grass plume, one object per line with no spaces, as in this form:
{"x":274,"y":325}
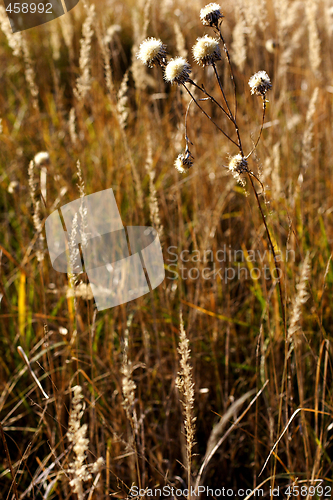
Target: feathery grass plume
{"x":255,"y":14}
{"x":177,"y":71}
{"x":83,"y":83}
{"x":55,"y":40}
{"x":122,"y":101}
{"x":308,"y":132}
{"x":311,"y":8}
{"x":42,"y":160}
{"x":74,"y":252}
{"x":81,"y":290}
{"x":128,"y":384}
{"x":153,"y":203}
{"x":210,"y":14}
{"x":76,"y":435}
{"x":14,"y":39}
{"x":30,"y":75}
{"x":276,"y":180}
{"x":328,"y":16}
{"x":238,"y":46}
{"x":106,"y":53}
{"x":260,"y":9}
{"x":286,"y":13}
{"x":110,"y":33}
{"x":138,"y":70}
{"x":36,"y":217}
{"x":68,"y":34}
{"x":83,"y":208}
{"x":185,"y":385}
{"x":152,"y":52}
{"x":206,"y":50}
{"x":180,"y":40}
{"x":300,"y":298}
{"x":289,"y":49}
{"x":71,"y":127}
{"x":260,"y":83}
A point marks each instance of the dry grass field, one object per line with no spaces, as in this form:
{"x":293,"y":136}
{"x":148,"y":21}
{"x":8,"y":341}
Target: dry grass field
{"x":221,"y":377}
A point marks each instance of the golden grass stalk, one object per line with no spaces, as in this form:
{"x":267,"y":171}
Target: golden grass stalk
{"x":185,"y":385}
{"x":72,"y":127}
{"x":14,"y":39}
{"x":153,"y":202}
{"x":83,"y":83}
{"x":300,"y":298}
{"x":30,"y":75}
{"x":76,"y":435}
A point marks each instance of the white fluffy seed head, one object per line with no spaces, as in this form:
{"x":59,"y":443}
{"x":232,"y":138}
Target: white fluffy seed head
{"x":238,"y":164}
{"x":206,"y":50}
{"x":177,"y":70}
{"x":260,"y":83}
{"x":183,"y":162}
{"x":211,"y":14}
{"x":152,"y":51}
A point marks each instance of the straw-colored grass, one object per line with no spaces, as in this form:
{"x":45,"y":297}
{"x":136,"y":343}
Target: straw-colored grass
{"x":74,"y":89}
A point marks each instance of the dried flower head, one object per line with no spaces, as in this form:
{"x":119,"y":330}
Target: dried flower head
{"x":177,"y":71}
{"x":183,"y":162}
{"x":152,"y":51}
{"x":42,"y":158}
{"x":238,"y":164}
{"x":206,"y":50}
{"x":211,"y":14}
{"x":260,"y":83}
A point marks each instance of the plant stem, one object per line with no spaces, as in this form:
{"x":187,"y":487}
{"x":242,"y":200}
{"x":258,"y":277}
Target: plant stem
{"x":231,"y":72}
{"x":9,"y":462}
{"x":209,"y":117}
{"x":202,"y":89}
{"x":232,"y":118}
{"x":273,"y":251}
{"x":261,"y":128}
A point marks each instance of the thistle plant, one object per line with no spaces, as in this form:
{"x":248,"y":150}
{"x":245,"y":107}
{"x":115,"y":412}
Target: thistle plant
{"x":207,"y":52}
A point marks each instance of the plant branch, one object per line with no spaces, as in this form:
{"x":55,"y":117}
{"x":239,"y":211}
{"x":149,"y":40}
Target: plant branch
{"x":232,"y":118}
{"x":209,"y":117}
{"x":231,"y":72}
{"x":202,"y":89}
{"x":261,"y":128}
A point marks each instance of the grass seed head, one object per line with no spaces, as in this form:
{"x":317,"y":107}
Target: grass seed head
{"x":177,"y":71}
{"x":211,"y":14}
{"x":206,"y":50}
{"x":42,"y":158}
{"x":152,"y":52}
{"x":260,"y":83}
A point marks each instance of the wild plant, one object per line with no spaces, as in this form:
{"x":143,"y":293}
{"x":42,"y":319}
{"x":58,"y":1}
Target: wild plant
{"x":176,"y":71}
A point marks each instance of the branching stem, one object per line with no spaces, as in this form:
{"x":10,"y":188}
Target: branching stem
{"x":209,"y":117}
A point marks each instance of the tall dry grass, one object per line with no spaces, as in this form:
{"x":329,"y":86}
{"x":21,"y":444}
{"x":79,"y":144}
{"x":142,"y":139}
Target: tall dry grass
{"x":75,"y":90}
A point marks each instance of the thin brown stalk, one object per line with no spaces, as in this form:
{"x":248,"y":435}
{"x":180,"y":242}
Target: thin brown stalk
{"x":9,"y":462}
{"x":273,"y":251}
{"x":209,"y":117}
